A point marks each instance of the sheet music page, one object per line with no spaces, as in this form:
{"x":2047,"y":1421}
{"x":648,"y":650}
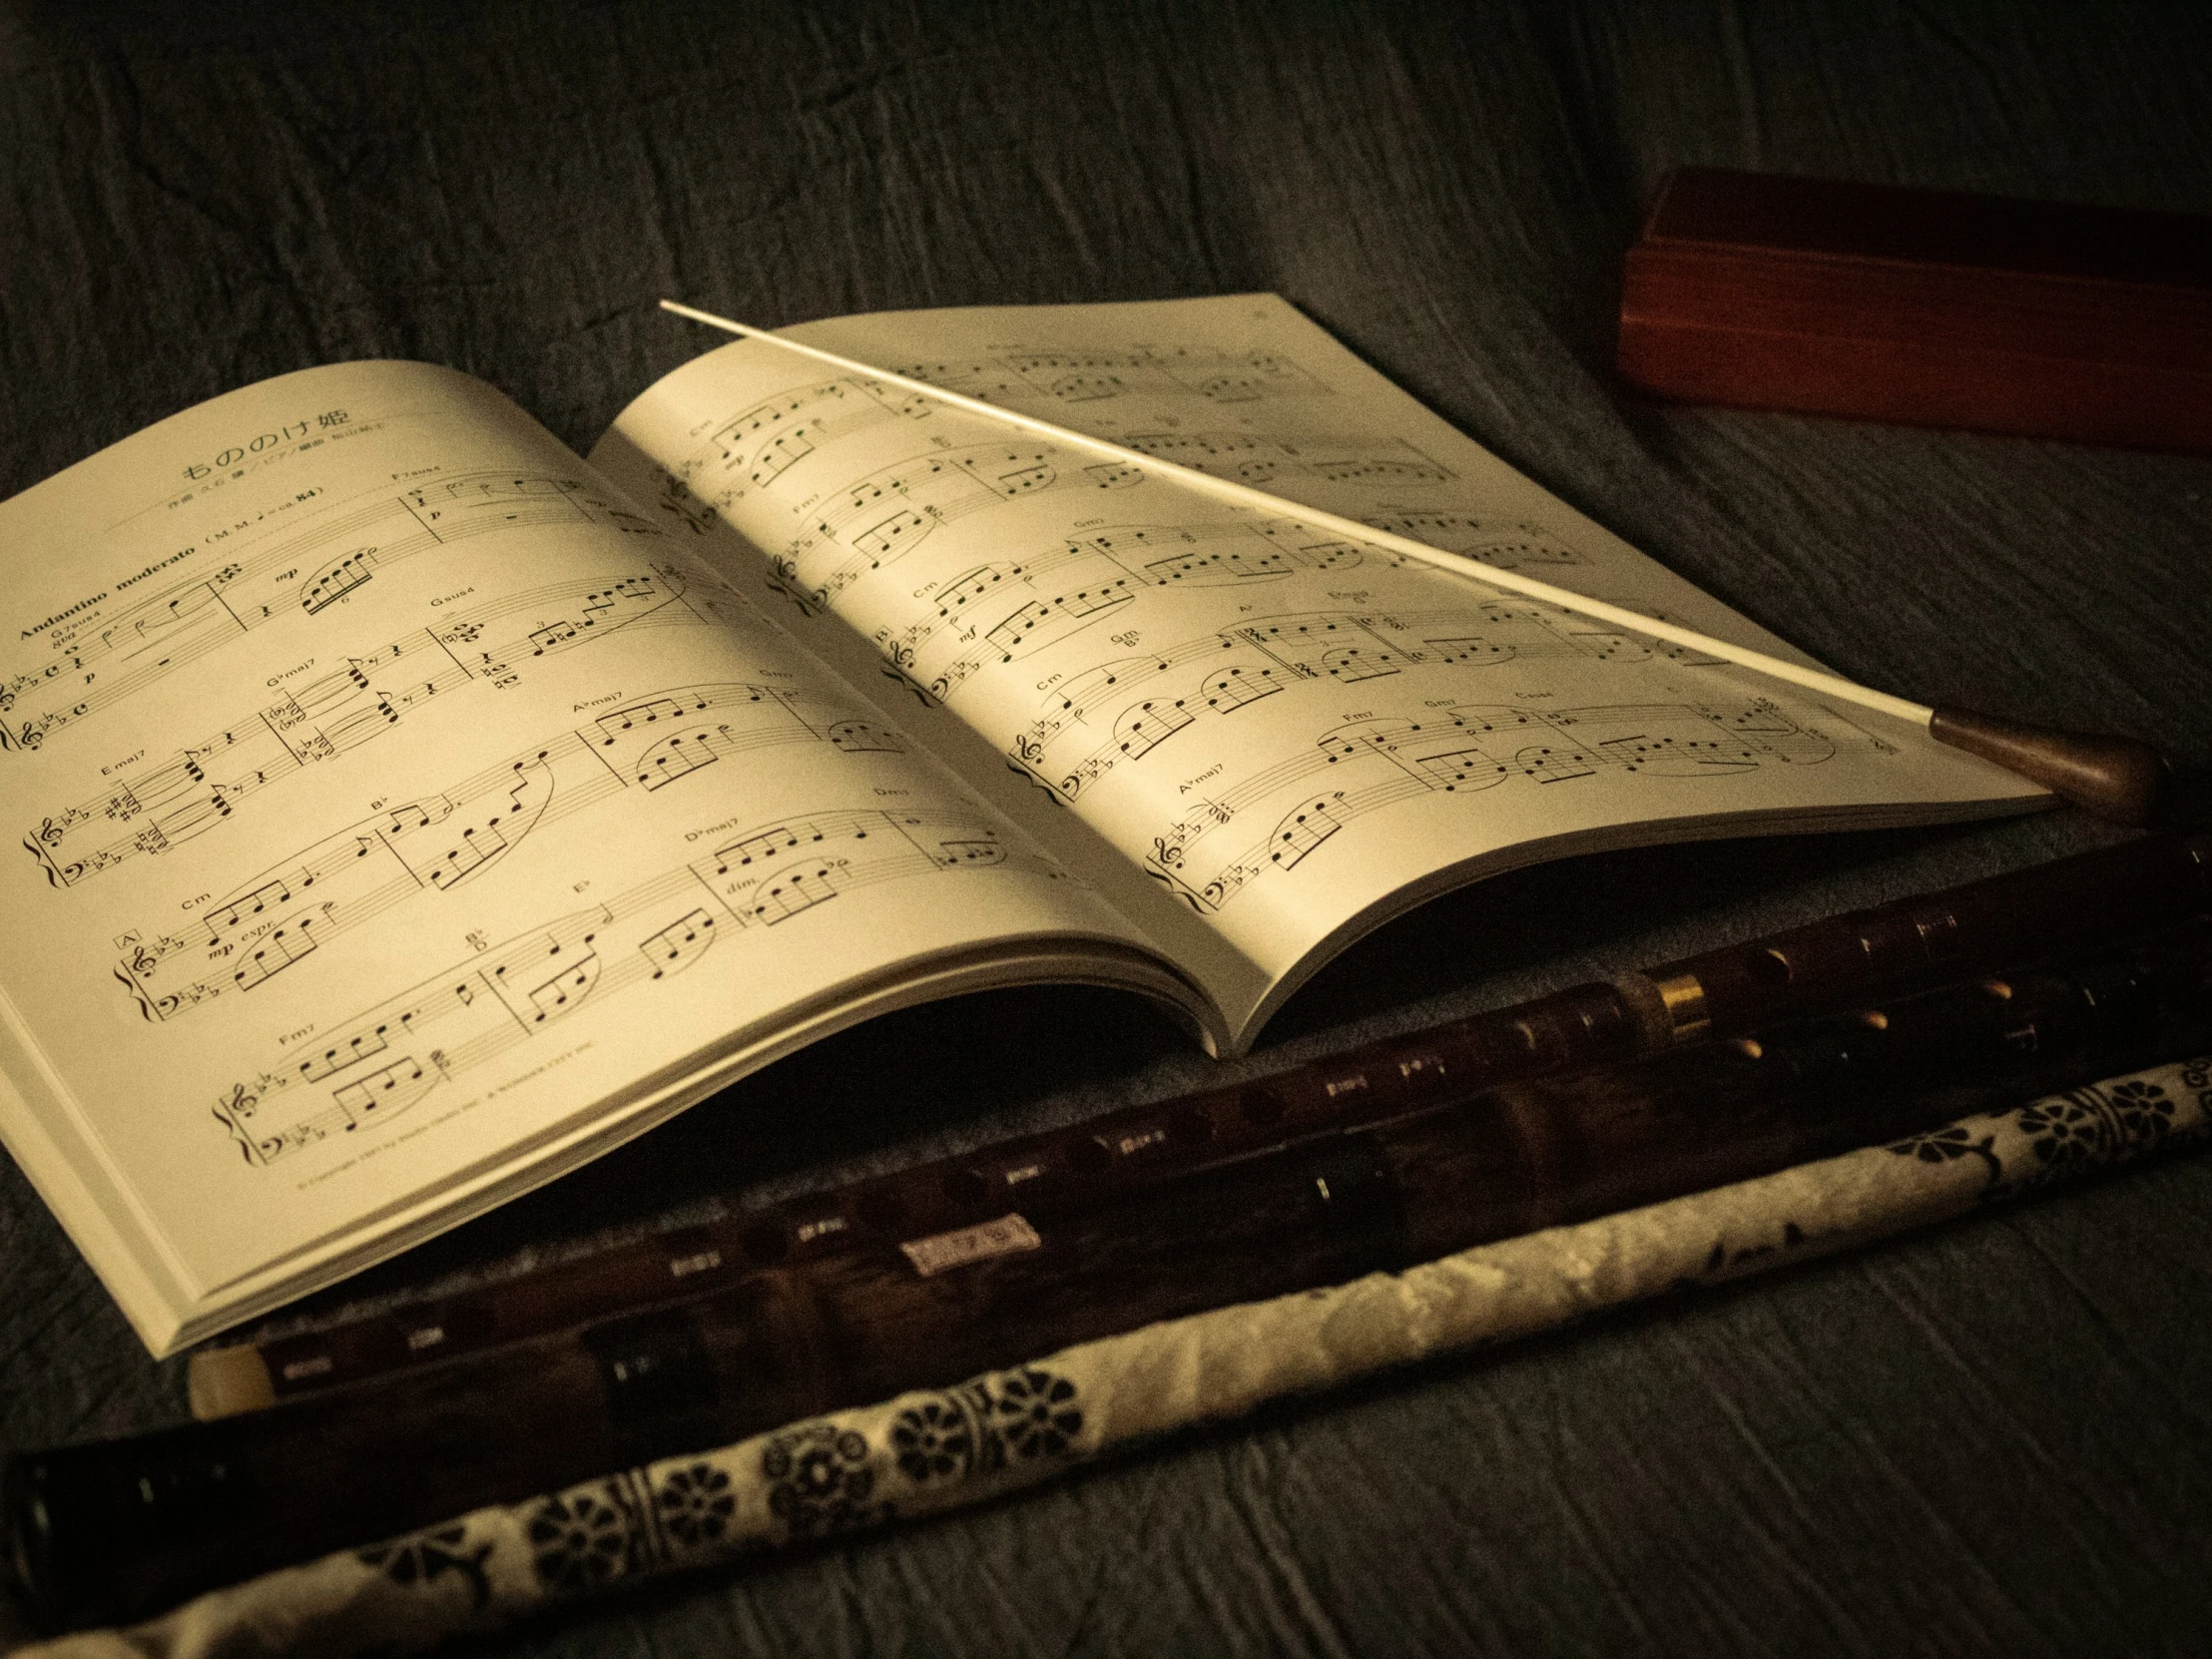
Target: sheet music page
{"x":385,"y":794}
{"x":1291,"y":733}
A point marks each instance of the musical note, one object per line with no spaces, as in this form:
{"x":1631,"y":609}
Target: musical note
{"x":1310,"y":553}
{"x":508,"y":993}
{"x":492,"y":501}
{"x":1137,"y":731}
{"x":1471,"y":651}
{"x":283,"y":569}
{"x":891,"y":537}
{"x":283,"y":947}
{"x":203,"y":785}
{"x":171,"y":623}
{"x":224,"y":920}
{"x":1145,"y":727}
{"x":1307,"y":649}
{"x":1236,"y":565}
{"x":755,"y":447}
{"x":736,"y":439}
{"x":971,"y":853}
{"x":797,"y":889}
{"x":678,"y":945}
{"x":1350,"y":663}
{"x":1018,"y":376}
{"x":1235,"y":388}
{"x":1069,"y":706}
{"x":1380,"y":470}
{"x":766,"y":843}
{"x":1468,"y":749}
{"x":1301,"y":830}
{"x":339,"y":579}
{"x":677,"y":757}
{"x":1253,"y":458}
{"x":1258,"y":552}
{"x":434,"y":843}
{"x":1236,"y":688}
{"x":1455,"y":769}
{"x":389,"y":1091}
{"x":563,"y":992}
{"x":984,"y":377}
{"x":1309,"y":643}
{"x":939,"y":487}
{"x":785,"y":450}
{"x":1550,"y":764}
{"x":1086,"y":388}
{"x":681,"y":704}
{"x":1044,"y":620}
{"x":338,"y":1057}
{"x":478,"y":845}
{"x":862,"y":736}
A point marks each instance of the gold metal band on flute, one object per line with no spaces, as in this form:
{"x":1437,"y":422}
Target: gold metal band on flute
{"x":1667,"y":1011}
{"x":1683,"y":998}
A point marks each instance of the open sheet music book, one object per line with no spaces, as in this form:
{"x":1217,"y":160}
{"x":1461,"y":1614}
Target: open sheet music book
{"x":409,"y":811}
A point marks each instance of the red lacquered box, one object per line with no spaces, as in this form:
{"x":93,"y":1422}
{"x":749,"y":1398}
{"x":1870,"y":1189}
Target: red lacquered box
{"x":1928,"y":307}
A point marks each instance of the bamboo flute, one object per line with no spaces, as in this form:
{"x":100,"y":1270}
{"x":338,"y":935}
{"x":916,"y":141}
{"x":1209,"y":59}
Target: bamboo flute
{"x":117,"y":1528}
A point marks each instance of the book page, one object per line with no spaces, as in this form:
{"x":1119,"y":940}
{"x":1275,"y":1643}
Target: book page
{"x":1291,"y":733}
{"x":394,"y":808}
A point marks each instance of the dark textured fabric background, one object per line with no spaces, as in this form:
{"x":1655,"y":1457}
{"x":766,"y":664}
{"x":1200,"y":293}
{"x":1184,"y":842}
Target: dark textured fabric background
{"x":1995,"y":1438}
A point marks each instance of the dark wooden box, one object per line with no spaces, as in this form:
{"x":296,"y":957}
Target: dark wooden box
{"x":1924,"y":306}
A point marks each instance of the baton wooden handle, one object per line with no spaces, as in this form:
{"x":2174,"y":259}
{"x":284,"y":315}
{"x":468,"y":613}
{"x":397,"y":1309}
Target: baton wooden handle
{"x":2121,"y":780}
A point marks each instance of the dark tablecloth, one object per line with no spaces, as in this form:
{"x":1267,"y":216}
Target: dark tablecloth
{"x":1993,"y":1439}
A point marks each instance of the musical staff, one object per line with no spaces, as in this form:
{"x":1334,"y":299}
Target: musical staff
{"x":1020,"y":375}
{"x":437,"y":842}
{"x":106,"y":656}
{"x":872,"y":524}
{"x":1253,"y":458}
{"x":1507,"y":545}
{"x":759,"y":444}
{"x":446,"y":1026}
{"x":1279,"y":651}
{"x":1125,"y":559}
{"x":203,"y":785}
{"x":1468,"y":749}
